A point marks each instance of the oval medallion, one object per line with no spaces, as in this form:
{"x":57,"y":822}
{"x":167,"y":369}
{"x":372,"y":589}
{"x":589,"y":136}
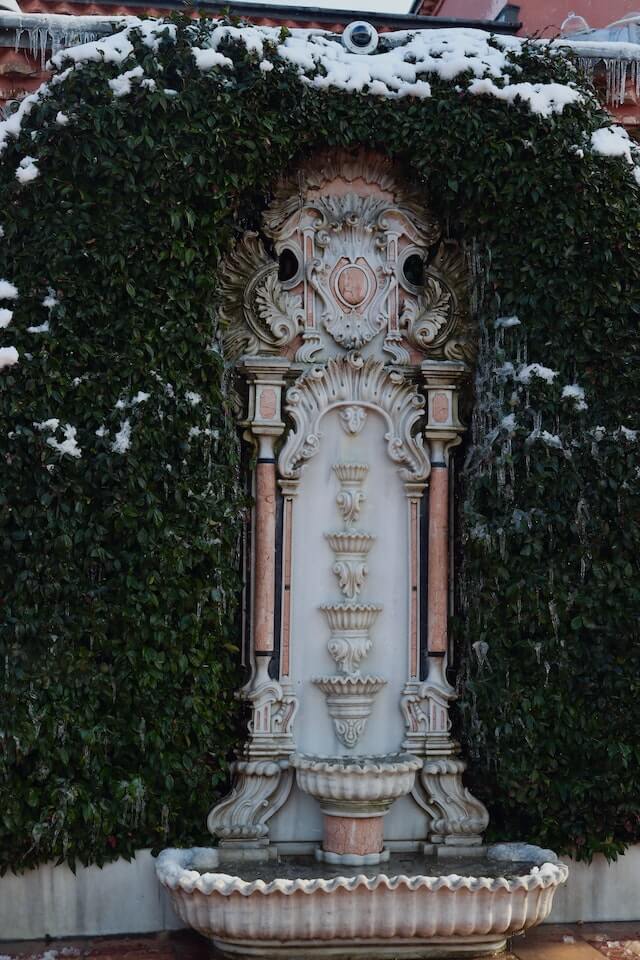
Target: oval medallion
{"x":353,"y":285}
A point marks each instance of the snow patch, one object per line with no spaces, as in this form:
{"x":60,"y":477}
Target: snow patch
{"x":207,"y":59}
{"x":28,"y":170}
{"x":50,"y":301}
{"x":10,"y":128}
{"x":62,"y":119}
{"x":193,"y":398}
{"x":5,"y":317}
{"x":551,"y":439}
{"x":536,"y":370}
{"x":8,"y":291}
{"x":508,"y":423}
{"x":140,"y":397}
{"x":402,"y":70}
{"x":630,"y":435}
{"x":69,"y":445}
{"x":613,"y":141}
{"x":575,"y":392}
{"x":121,"y":85}
{"x":544,"y":99}
{"x":503,"y":323}
{"x":51,"y":424}
{"x":122,"y":440}
{"x":42,"y":328}
{"x":8,"y":356}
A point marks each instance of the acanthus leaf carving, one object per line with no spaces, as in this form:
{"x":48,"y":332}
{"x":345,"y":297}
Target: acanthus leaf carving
{"x":256,"y":314}
{"x":279,"y":310}
{"x":426,"y":316}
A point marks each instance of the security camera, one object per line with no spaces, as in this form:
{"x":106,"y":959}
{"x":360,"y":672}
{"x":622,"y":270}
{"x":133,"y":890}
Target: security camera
{"x":360,"y":37}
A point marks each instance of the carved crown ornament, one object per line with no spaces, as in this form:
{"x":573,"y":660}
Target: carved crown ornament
{"x":360,"y":264}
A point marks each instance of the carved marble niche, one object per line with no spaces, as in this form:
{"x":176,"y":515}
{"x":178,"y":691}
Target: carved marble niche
{"x":353,"y":337}
{"x":363,"y":266}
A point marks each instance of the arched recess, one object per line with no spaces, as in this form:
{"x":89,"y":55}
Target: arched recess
{"x":354,"y":367}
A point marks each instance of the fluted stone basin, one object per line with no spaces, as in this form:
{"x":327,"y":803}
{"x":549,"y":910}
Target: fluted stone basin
{"x":366,"y":783}
{"x":297,"y":908}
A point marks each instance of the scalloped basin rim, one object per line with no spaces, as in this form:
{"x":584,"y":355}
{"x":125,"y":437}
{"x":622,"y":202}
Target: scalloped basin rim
{"x":392,"y":763}
{"x":177,"y":870}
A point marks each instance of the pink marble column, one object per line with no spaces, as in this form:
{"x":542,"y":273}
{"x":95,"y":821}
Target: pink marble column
{"x":264,"y":556}
{"x":438,"y":578}
{"x":355,"y":835}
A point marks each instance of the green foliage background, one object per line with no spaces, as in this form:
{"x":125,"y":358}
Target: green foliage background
{"x":119,"y":583}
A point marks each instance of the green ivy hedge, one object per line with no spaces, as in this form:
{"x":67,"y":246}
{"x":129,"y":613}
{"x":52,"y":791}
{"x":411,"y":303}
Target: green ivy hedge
{"x":119,"y":574}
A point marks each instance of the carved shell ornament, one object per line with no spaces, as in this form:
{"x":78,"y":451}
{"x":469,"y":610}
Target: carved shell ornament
{"x":346,"y":382}
{"x":437,"y":319}
{"x":350,"y":228}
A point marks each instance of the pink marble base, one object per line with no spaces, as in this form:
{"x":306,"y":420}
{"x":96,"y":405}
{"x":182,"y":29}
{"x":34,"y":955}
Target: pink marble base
{"x":358,"y":836}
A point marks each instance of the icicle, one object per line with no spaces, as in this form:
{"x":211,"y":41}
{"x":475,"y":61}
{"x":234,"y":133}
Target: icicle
{"x":538,"y":648}
{"x":139,"y":805}
{"x":555,"y":619}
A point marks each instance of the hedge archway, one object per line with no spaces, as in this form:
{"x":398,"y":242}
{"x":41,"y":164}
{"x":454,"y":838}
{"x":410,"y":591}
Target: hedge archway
{"x":123,"y":184}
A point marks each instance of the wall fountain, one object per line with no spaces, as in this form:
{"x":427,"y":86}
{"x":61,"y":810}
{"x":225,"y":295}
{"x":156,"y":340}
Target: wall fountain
{"x":349,"y":831}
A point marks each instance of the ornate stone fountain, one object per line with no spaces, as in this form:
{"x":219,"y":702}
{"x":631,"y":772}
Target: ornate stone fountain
{"x":349,"y":831}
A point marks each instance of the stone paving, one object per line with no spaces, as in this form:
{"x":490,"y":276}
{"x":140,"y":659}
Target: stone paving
{"x":592,"y":941}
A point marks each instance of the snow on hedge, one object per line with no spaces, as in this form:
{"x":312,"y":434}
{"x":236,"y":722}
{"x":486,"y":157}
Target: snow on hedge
{"x":406,"y":63}
{"x":8,"y":356}
{"x":613,"y":141}
{"x":8,"y":291}
{"x":544,"y":99}
{"x":324,"y":63}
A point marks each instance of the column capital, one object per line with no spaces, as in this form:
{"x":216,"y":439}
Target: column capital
{"x":444,"y":374}
{"x":442,"y":380}
{"x":267,"y":368}
{"x":266,"y":379}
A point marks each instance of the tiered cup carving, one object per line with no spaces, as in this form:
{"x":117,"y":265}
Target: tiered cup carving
{"x":350,"y":696}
